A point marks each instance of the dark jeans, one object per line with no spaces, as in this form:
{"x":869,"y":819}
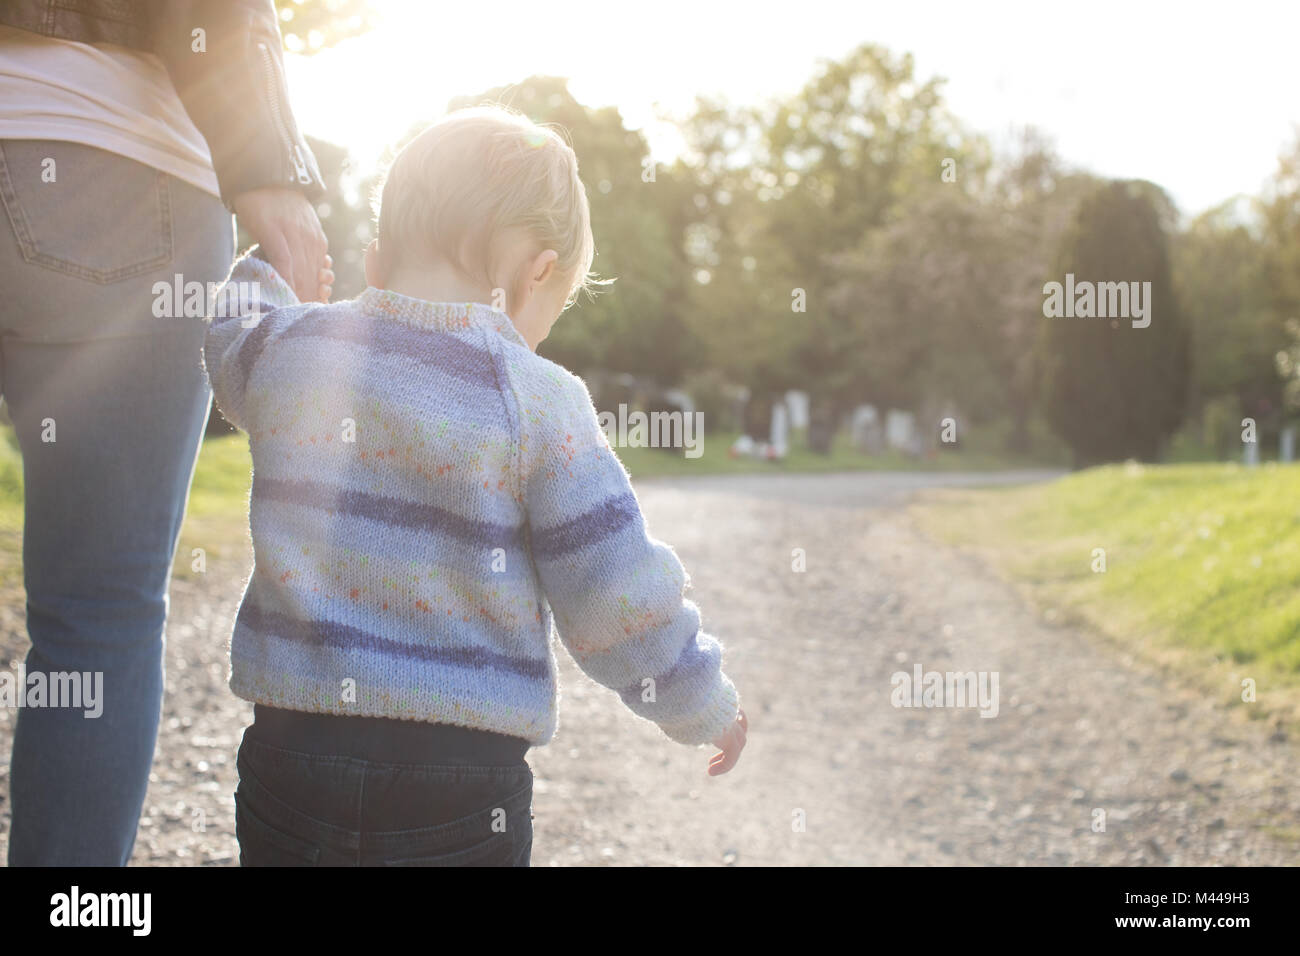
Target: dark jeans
{"x":323,"y":790}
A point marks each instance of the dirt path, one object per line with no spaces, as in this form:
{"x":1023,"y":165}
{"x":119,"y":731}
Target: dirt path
{"x":1079,"y":726}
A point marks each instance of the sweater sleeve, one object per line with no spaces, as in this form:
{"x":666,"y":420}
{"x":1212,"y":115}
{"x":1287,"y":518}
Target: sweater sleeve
{"x":233,"y":88}
{"x":248,"y":308}
{"x":617,"y":594}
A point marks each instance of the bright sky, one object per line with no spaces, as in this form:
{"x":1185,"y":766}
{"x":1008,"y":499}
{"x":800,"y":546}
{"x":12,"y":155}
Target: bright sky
{"x":1198,"y":97}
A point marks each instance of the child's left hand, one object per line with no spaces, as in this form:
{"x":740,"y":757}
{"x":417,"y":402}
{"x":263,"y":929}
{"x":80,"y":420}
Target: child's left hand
{"x":731,"y":742}
{"x":325,"y":279}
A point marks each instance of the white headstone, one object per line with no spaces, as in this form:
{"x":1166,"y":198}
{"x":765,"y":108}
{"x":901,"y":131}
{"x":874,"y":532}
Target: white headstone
{"x":797,"y":402}
{"x":864,"y":429}
{"x":780,"y":429}
{"x":900,"y":430}
{"x":681,"y":399}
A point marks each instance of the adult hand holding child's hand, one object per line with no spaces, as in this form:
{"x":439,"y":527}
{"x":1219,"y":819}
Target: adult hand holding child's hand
{"x":731,"y":742}
{"x":285,"y":225}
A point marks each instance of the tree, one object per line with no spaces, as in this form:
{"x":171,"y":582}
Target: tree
{"x":740,"y":301}
{"x":309,"y":26}
{"x":1112,"y":390}
{"x":1281,"y":268}
{"x":782,"y":193}
{"x":1034,"y":197}
{"x":928,"y":290}
{"x":1219,"y":265}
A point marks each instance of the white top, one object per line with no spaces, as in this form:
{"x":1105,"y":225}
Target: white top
{"x":106,"y":96}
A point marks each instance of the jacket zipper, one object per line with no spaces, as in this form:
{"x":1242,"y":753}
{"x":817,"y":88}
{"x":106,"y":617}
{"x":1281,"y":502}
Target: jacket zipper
{"x":272,"y":95}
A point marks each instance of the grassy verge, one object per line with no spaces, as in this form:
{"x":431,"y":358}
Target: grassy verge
{"x":216,"y":521}
{"x":11,"y":515}
{"x":1202,"y":565}
{"x":217,"y":517}
{"x":714,"y":459}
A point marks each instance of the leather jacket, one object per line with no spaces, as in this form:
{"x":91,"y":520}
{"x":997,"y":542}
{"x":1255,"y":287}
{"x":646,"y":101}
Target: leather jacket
{"x":233,"y":88}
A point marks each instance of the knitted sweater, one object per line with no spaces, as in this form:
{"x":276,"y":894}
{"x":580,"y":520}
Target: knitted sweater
{"x":428,"y":496}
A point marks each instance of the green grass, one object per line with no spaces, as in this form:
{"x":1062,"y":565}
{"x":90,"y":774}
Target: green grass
{"x":11,"y":513}
{"x":221,"y":478}
{"x":1202,"y":564}
{"x":714,"y":460}
{"x":220,"y":487}
{"x":217,"y":518}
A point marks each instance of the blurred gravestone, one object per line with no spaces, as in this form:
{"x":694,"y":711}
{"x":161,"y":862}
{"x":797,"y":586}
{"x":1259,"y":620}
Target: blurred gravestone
{"x":797,"y":404}
{"x":864,"y":427}
{"x":900,"y":431}
{"x":780,"y":434}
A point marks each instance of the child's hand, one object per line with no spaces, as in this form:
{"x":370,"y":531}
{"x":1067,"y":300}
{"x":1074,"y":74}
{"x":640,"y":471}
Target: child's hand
{"x":325,"y":279}
{"x":731,"y":742}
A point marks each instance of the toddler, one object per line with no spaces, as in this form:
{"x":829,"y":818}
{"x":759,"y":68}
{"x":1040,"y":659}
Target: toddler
{"x":429,"y":496}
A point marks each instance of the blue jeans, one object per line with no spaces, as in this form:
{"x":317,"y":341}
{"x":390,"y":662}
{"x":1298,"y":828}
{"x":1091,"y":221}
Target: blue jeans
{"x":108,"y":402}
{"x":324,"y":790}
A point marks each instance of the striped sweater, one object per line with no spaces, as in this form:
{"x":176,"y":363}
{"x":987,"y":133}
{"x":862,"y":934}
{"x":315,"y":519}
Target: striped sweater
{"x":428,"y":497}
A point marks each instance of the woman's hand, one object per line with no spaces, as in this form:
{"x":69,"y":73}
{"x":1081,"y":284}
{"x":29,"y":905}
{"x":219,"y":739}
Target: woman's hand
{"x":285,"y":225}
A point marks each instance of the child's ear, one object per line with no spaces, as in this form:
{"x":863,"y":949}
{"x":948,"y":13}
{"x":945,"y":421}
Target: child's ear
{"x":543,"y":267}
{"x":376,"y":266}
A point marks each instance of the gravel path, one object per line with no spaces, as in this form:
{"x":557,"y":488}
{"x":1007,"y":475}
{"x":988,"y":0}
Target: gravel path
{"x":1080,"y":726}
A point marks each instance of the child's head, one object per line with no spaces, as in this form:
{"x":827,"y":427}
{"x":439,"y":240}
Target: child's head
{"x":492,"y":201}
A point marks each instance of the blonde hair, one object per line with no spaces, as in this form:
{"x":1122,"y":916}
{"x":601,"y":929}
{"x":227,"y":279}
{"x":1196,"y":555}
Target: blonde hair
{"x":476,"y":172}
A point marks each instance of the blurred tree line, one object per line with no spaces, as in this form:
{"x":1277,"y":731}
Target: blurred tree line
{"x":855,"y":241}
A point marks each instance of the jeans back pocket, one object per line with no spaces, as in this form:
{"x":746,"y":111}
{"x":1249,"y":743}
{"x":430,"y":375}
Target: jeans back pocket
{"x":261,"y":844}
{"x":500,"y":849}
{"x":499,"y":832}
{"x":83,"y":211}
